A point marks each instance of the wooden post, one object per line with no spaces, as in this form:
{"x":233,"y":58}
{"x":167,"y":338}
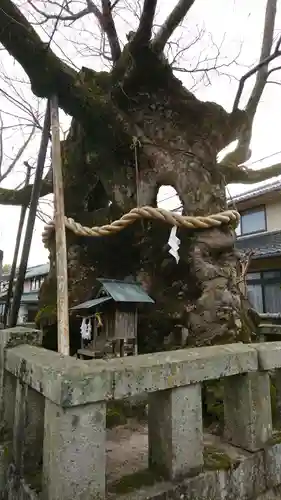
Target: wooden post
{"x":35,"y":195}
{"x":61,"y":254}
{"x":16,"y":251}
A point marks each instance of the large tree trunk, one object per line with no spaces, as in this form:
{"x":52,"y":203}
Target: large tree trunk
{"x":180,"y":138}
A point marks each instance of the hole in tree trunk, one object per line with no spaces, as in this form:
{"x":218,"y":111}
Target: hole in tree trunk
{"x":97,"y":198}
{"x":168,"y":199}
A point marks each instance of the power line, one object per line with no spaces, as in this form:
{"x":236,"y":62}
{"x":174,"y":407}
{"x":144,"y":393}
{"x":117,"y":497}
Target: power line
{"x":264,"y":158}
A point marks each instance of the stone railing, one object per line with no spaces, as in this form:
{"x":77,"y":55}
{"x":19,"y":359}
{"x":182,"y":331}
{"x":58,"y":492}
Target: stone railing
{"x":269,"y":326}
{"x":53,"y":411}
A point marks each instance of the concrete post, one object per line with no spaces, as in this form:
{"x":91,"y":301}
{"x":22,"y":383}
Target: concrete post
{"x":12,"y":414}
{"x":175,"y":431}
{"x":7,"y":403}
{"x":28,"y":430}
{"x":74,"y":458}
{"x":19,"y":427}
{"x":277,"y":382}
{"x":12,"y":337}
{"x":34,"y":431}
{"x":247,"y":409}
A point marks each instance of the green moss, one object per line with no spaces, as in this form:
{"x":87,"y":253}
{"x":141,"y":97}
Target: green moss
{"x":213,"y":406}
{"x":275,"y":416}
{"x":215,"y":459}
{"x":135,"y":481}
{"x":34,"y":480}
{"x":118,"y":412}
{"x":276,"y":438}
{"x":115,"y":416}
{"x":136,"y":410}
{"x":46,"y":314}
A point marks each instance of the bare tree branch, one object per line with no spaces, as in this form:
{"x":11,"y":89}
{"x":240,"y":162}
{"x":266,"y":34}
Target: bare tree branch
{"x":45,"y":70}
{"x":109,"y":27}
{"x":68,"y":17}
{"x":22,"y":196}
{"x":262,"y":73}
{"x":272,"y":70}
{"x":1,"y":142}
{"x":245,"y":175}
{"x":18,"y":155}
{"x":21,"y":104}
{"x":171,"y":23}
{"x":104,"y":18}
{"x":47,"y":73}
{"x":242,"y":151}
{"x":261,"y":68}
{"x":114,"y":4}
{"x":144,"y":31}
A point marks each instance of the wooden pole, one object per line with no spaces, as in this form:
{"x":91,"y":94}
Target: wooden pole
{"x":35,"y":195}
{"x":61,"y":254}
{"x":16,"y":251}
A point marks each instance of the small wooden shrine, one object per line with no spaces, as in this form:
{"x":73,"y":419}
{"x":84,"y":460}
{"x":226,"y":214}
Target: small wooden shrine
{"x":109,"y":321}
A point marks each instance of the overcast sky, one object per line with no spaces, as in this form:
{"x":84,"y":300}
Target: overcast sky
{"x":235,"y":25}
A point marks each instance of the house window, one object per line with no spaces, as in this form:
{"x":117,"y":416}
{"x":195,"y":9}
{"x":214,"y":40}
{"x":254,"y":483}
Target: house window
{"x":33,"y":284}
{"x":252,"y":221}
{"x":264,"y":291}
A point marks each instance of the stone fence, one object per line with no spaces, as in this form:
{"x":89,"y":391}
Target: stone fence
{"x":269,"y":327}
{"x":53,"y":412}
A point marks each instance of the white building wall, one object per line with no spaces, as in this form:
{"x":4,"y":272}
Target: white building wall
{"x":22,"y":316}
{"x":273,"y":215}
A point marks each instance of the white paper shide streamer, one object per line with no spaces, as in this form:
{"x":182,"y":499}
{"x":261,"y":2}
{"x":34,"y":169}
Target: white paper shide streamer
{"x":86,"y":329}
{"x":174,"y":243}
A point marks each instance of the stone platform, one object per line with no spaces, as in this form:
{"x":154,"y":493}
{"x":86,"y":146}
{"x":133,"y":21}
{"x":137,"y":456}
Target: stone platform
{"x":230,"y":473}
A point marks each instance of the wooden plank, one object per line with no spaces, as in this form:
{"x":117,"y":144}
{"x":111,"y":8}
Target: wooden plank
{"x":125,"y":325}
{"x":86,"y":352}
{"x":61,"y":254}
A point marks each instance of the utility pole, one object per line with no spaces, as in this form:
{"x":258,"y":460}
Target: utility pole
{"x":61,"y":253}
{"x":35,"y":195}
{"x":16,"y":251}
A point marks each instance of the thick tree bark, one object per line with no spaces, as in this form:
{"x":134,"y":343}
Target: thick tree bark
{"x":180,"y":138}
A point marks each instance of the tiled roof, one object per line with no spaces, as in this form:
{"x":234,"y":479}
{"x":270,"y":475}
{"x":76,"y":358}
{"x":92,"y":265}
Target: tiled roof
{"x":26,"y":298}
{"x":40,"y":270}
{"x":260,"y":189}
{"x":29,"y":298}
{"x":263,"y":244}
{"x":122,"y":291}
{"x":5,"y":277}
{"x":32,"y":272}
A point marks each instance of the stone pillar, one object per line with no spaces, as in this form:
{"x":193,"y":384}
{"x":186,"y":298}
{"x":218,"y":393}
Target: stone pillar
{"x":19,"y":426}
{"x":12,"y":415}
{"x":1,"y":264}
{"x":9,"y":338}
{"x":34,"y":431}
{"x":74,"y":458}
{"x":7,"y":403}
{"x":28,"y":429}
{"x":175,"y":431}
{"x":247,"y":409}
{"x":277,"y":382}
